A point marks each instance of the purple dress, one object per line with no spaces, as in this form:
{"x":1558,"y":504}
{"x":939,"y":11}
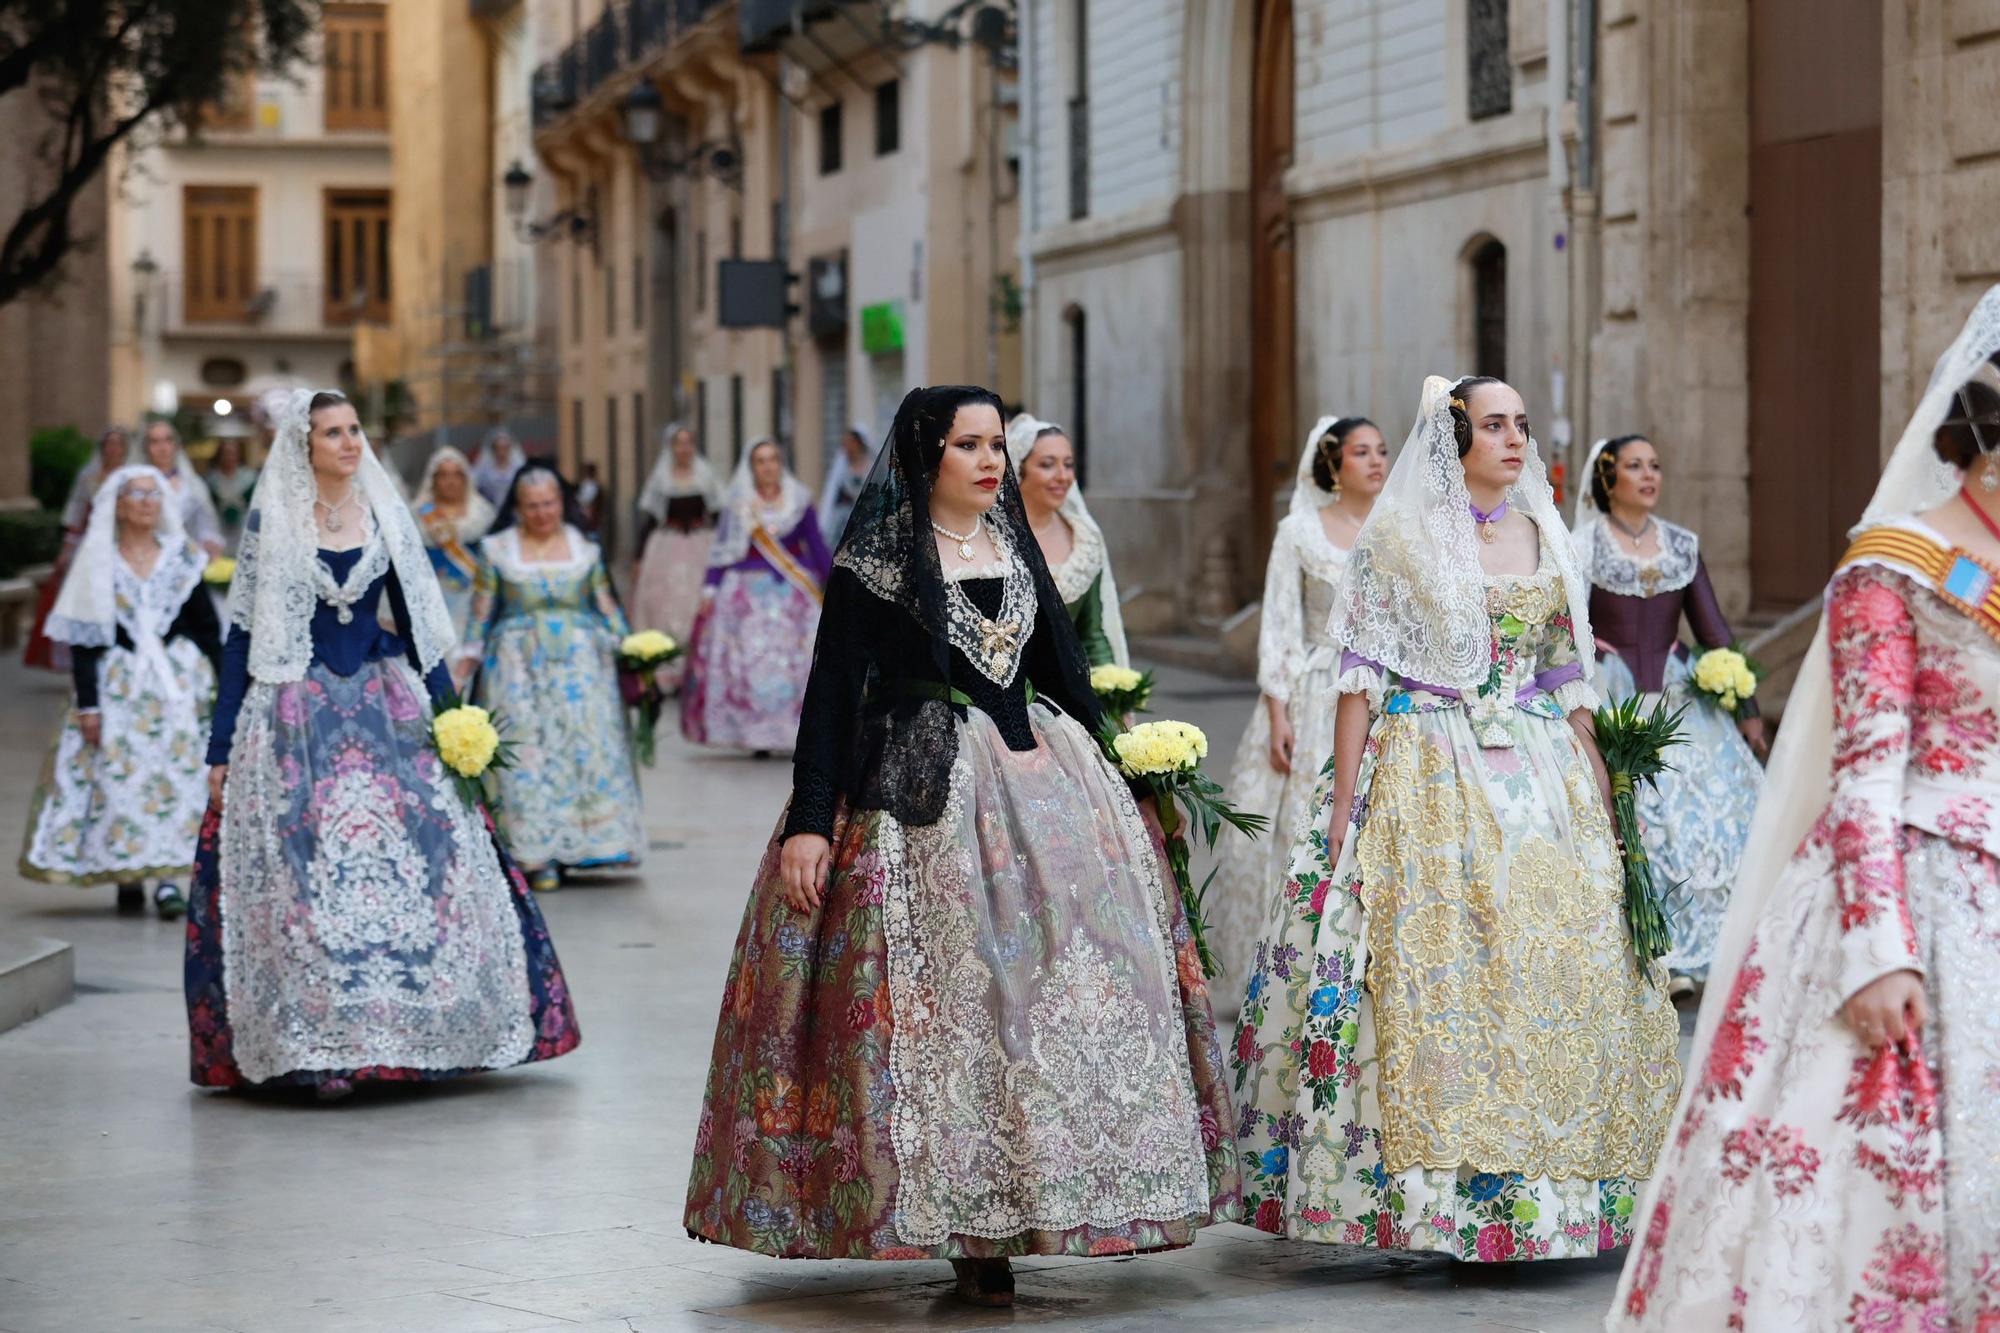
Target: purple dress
{"x":752,"y":645}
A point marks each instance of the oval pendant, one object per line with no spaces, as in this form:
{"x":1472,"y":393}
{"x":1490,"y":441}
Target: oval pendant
{"x":345,"y":615}
{"x":965,"y":552}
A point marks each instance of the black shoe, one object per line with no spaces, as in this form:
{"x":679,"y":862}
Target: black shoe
{"x":131,"y":899}
{"x":167,"y":901}
{"x":984,"y":1282}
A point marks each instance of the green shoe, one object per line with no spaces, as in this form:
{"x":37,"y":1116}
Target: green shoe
{"x":167,"y":901}
{"x":545,"y":880}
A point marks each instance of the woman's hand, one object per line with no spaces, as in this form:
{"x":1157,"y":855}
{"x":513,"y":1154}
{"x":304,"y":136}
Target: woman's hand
{"x":91,"y":727}
{"x":217,"y":776}
{"x":803,"y":863}
{"x":1283,"y":739}
{"x":1754,"y":733}
{"x":1888,"y":1010}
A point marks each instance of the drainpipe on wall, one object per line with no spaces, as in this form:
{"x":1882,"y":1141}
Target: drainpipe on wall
{"x":1584,"y":265}
{"x":1028,"y":104}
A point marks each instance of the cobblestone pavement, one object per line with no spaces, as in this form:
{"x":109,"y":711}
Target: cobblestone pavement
{"x":547,"y":1197}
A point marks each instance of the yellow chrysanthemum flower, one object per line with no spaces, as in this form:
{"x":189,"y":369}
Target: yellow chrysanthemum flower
{"x":647,"y":644}
{"x":466,"y":739}
{"x":1160,"y":747}
{"x":1113,"y":677}
{"x":220,"y":570}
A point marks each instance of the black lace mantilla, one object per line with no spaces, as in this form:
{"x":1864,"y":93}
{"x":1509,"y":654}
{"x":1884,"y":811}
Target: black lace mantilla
{"x":874,"y":728}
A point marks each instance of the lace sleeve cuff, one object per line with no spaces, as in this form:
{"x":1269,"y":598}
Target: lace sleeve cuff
{"x":814,"y":797}
{"x":1358,"y":675}
{"x":1575,"y":694}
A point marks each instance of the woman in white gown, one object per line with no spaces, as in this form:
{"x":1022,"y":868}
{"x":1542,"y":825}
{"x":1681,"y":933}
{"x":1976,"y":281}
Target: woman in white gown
{"x":1290,"y":734}
{"x":1835,"y":1163}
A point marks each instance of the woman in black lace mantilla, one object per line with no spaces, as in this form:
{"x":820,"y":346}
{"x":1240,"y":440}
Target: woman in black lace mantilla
{"x":964,"y":1019}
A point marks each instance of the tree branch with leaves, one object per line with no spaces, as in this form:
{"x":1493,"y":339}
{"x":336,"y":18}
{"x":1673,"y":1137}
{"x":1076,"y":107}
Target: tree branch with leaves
{"x":109,"y":72}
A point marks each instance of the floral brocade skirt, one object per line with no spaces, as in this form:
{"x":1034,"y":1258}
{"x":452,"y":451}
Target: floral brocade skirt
{"x":748,"y":658}
{"x":351,"y":917}
{"x":1696,"y":818}
{"x":127,"y":808}
{"x":992,"y":1038}
{"x":668,"y":591}
{"x":1812,"y":1182}
{"x":1444,"y":1043}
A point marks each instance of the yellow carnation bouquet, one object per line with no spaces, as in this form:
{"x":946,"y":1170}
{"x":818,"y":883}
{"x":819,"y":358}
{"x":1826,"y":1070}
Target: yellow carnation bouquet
{"x":1121,"y":690}
{"x":639,"y":656}
{"x":1167,"y":756}
{"x":469,"y":741}
{"x":1726,"y":678}
{"x":219,"y":571}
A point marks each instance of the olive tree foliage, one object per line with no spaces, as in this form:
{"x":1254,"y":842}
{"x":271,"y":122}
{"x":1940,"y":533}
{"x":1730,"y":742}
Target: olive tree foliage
{"x":106,"y":72}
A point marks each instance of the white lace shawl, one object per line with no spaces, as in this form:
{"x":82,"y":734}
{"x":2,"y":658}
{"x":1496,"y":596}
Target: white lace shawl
{"x":86,"y":608}
{"x":1413,"y":598}
{"x":1609,"y":566}
{"x":278,"y":580}
{"x":662,"y":485}
{"x":743,"y":512}
{"x":1089,"y":558}
{"x":478,"y":516}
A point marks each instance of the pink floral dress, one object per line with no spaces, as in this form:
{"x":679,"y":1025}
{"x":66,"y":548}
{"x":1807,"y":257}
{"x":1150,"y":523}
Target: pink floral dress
{"x":1815,"y":1183}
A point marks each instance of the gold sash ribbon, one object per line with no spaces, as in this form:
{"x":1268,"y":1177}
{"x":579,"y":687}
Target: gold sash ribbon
{"x":1965,"y":582}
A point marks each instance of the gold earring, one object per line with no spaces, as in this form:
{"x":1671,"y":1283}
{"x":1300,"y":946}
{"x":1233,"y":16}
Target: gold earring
{"x":1336,"y":487}
{"x":1989,"y":476}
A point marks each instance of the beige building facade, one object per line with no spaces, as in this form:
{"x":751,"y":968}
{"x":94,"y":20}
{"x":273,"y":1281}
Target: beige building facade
{"x":857,"y":184}
{"x":245,"y":257}
{"x":1745,"y":229}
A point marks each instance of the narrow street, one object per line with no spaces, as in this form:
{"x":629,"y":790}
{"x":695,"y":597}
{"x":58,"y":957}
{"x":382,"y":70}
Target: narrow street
{"x":548,"y":1197}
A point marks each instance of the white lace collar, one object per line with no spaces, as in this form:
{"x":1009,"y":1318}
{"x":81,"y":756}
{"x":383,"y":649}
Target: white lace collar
{"x":1318,"y":556}
{"x":1614,"y":569}
{"x":1084,"y":562}
{"x":503,"y":549}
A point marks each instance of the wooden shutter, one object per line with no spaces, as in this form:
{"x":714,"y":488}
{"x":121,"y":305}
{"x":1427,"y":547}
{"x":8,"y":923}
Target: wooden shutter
{"x":357,"y":256}
{"x":357,"y":66}
{"x":219,"y":252}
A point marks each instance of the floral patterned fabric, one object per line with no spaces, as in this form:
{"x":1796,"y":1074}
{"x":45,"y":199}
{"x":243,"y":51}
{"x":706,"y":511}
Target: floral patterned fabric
{"x":992,"y":1038}
{"x":548,"y":636}
{"x":751,"y":648}
{"x":1696,"y":818}
{"x":128,"y":809}
{"x":667,"y":594}
{"x":1814,"y":1182}
{"x":1444,"y":1042}
{"x":351,"y":916}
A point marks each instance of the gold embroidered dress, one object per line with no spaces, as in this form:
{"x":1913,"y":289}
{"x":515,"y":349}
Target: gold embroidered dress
{"x":1445,"y":1044}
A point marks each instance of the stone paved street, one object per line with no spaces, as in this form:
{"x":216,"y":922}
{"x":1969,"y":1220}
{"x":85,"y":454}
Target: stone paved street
{"x":549,"y":1197}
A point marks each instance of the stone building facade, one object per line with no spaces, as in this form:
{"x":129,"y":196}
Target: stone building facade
{"x":1743,"y":228}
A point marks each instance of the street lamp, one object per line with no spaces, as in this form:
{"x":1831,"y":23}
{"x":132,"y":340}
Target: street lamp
{"x":569,"y":223}
{"x":143,"y":270}
{"x":644,"y":117}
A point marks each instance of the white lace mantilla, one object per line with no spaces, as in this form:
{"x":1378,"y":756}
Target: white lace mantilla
{"x":1611,"y":567}
{"x":1041,"y":1076}
{"x":1083,"y":564}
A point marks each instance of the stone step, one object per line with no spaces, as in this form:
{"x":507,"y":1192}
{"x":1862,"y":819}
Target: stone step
{"x":36,"y":975}
{"x":1194,"y":651}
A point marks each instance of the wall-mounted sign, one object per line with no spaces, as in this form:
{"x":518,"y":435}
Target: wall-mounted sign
{"x":882,"y":328}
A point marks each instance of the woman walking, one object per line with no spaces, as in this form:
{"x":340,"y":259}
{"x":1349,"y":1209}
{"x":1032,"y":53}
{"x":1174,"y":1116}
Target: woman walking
{"x":230,"y":481}
{"x":122,"y":792}
{"x":1836,"y":1162}
{"x":352,"y":916}
{"x":964,"y":1019}
{"x":453,"y":516}
{"x":752,"y":642}
{"x":186,"y":491}
{"x":1645,"y":575}
{"x":1445,"y":1044}
{"x":677,"y":513}
{"x":1290,"y":735}
{"x":113,"y":447}
{"x":1073,"y":545}
{"x":544,"y":637}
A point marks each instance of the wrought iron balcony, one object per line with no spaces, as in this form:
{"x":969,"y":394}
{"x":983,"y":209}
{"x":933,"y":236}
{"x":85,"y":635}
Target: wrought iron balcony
{"x":626,"y":34}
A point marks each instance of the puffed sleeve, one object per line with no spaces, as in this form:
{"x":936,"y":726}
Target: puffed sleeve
{"x":1872,"y":645}
{"x":831,"y":712}
{"x":1281,"y":633}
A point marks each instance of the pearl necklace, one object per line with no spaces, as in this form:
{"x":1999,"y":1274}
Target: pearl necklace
{"x":964,"y":540}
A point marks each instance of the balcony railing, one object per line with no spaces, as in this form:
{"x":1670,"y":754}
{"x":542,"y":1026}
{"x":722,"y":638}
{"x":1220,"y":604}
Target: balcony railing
{"x":627,"y":33}
{"x":282,"y":303}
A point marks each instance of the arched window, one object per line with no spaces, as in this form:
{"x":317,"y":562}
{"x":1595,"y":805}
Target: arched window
{"x":1489,"y":308}
{"x":1079,"y":387}
{"x":1489,"y":72}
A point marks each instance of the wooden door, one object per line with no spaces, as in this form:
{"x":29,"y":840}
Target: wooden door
{"x":219,"y":252}
{"x":1273,"y":342}
{"x":1815,"y":287}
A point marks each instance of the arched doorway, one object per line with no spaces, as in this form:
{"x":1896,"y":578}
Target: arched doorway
{"x":1273,"y":310}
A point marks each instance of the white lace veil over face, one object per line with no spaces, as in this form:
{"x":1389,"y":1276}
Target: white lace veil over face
{"x":743,"y":511}
{"x":86,"y":608}
{"x":1073,"y":579}
{"x":1413,"y":598}
{"x":277,"y":584}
